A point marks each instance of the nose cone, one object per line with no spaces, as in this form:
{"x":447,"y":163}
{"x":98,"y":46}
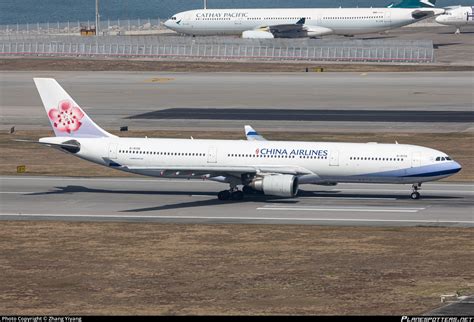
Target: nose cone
{"x":167,"y":23}
{"x":456,"y":167}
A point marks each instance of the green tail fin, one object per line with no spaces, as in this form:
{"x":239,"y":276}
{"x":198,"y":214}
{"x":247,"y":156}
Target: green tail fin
{"x":414,"y":4}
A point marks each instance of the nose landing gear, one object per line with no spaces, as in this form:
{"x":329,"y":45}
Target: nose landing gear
{"x":415,"y":194}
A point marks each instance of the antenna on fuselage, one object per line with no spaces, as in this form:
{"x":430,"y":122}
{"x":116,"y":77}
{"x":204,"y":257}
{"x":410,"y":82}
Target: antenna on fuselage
{"x":205,"y":4}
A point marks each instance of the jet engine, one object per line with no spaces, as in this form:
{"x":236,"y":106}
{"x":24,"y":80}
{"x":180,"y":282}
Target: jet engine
{"x":315,"y":31}
{"x":281,"y":185}
{"x":257,"y":34}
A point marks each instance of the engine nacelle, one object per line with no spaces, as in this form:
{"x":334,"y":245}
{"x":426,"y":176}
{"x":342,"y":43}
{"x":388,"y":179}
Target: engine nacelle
{"x":281,"y":185}
{"x":314,"y":31}
{"x":257,"y":34}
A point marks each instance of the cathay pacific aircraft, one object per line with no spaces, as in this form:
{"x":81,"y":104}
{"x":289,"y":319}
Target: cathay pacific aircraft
{"x":457,"y":16}
{"x":255,"y":165}
{"x":304,"y":22}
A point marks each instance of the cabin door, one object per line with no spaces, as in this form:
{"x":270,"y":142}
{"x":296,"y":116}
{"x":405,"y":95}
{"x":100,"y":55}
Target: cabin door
{"x":334,"y":158}
{"x":112,"y":151}
{"x":212,"y":155}
{"x":238,"y":21}
{"x":388,"y":17}
{"x":416,"y":159}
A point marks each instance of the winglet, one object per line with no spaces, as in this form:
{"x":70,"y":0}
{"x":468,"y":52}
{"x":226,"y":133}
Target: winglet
{"x":302,"y":21}
{"x":253,"y":135}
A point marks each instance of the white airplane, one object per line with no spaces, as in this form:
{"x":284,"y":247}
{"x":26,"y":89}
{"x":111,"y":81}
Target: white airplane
{"x":275,"y":168}
{"x":305,"y":22}
{"x":457,"y":16}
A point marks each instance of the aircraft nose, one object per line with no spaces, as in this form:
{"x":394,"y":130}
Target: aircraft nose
{"x":456,"y":167}
{"x":440,"y":18}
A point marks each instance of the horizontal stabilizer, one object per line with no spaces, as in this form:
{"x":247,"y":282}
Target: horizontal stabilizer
{"x":71,"y":146}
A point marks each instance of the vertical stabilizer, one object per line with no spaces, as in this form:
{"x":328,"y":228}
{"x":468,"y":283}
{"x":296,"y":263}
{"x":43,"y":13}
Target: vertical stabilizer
{"x":65,"y":115}
{"x":414,"y":4}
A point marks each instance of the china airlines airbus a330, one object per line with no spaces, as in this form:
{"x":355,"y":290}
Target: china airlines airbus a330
{"x":275,"y":168}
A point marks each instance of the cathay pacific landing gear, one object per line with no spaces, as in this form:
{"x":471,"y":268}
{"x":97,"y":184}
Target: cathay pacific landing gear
{"x":415,"y":194}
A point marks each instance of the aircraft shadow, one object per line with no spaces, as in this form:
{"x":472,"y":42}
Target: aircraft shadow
{"x":338,"y":194}
{"x":213,"y":201}
{"x":452,"y":33}
{"x":82,"y":189}
{"x":376,"y":37}
{"x":436,"y":46}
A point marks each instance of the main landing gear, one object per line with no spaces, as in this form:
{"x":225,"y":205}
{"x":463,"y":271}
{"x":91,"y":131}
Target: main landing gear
{"x":415,"y":194}
{"x":232,"y":194}
{"x":235,"y":194}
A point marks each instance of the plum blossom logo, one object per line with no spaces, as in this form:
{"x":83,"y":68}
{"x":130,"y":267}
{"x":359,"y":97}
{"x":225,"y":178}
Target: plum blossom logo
{"x":257,"y":151}
{"x":66,"y":117}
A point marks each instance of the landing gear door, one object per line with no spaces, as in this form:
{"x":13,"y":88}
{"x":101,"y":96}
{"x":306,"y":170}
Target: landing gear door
{"x":112,"y":151}
{"x":212,"y":155}
{"x":416,"y":159}
{"x":334,"y":158}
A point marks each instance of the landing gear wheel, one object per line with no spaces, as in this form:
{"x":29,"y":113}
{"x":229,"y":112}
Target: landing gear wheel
{"x":237,"y":195}
{"x":224,"y":195}
{"x":415,"y":195}
{"x":248,"y":191}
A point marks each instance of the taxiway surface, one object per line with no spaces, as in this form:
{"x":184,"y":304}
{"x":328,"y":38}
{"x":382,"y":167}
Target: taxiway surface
{"x":111,"y":97}
{"x":182,"y":201}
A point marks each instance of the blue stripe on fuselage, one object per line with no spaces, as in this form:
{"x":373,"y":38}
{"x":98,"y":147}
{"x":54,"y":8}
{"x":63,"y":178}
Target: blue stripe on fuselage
{"x":432,"y":170}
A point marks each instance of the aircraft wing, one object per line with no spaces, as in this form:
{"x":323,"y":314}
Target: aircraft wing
{"x":214,"y":171}
{"x":298,"y":29}
{"x":253,"y":135}
{"x":422,"y":13}
{"x":298,"y":26}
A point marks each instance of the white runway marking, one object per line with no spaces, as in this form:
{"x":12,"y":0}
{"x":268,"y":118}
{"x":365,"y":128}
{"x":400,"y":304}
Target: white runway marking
{"x":348,"y":198}
{"x":272,"y":208}
{"x":239,"y":218}
{"x":400,"y":190}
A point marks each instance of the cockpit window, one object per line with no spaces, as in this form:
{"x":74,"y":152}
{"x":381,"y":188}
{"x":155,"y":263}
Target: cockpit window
{"x":173,"y":18}
{"x":438,"y":158}
{"x":449,"y":159}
